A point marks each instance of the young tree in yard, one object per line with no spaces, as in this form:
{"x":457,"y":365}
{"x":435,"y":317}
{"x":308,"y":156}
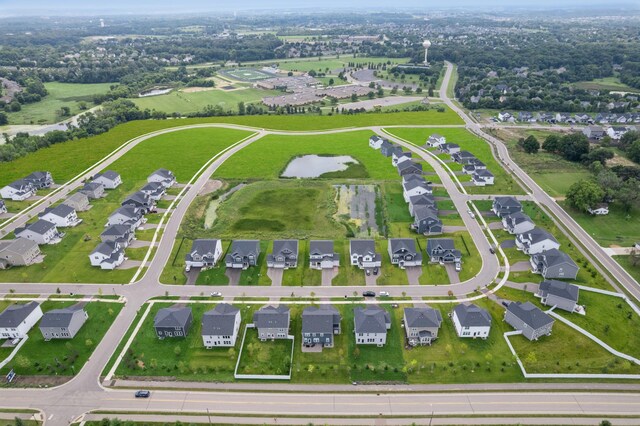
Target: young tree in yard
{"x":551,"y":143}
{"x":531,"y":145}
{"x":633,"y":152}
{"x":584,"y":194}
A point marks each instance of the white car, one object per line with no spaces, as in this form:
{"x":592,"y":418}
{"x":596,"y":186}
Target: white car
{"x":473,"y":216}
{"x":384,"y":294}
{"x":216,"y":294}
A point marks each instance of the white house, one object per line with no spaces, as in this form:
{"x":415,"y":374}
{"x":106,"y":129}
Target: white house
{"x":482,"y":177}
{"x":399,"y":157}
{"x":19,"y":190}
{"x":164,"y":176}
{"x":107,"y":255}
{"x":18,"y":319}
{"x":375,"y":141}
{"x":413,"y":188}
{"x":471,"y":321}
{"x":63,"y":216}
{"x":505,"y":116}
{"x":109,"y":179}
{"x":126,"y":215}
{"x":370,"y":325}
{"x":599,"y":209}
{"x":42,"y":232}
{"x":220,"y":326}
{"x":203,"y":253}
{"x":363,"y":254}
{"x":435,"y":140}
{"x":536,"y":241}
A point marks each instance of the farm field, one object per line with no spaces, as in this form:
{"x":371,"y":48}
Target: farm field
{"x":47,"y":111}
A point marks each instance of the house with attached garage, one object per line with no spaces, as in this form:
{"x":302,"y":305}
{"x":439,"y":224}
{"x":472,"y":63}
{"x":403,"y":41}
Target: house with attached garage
{"x":559,"y":294}
{"x":40,"y":180}
{"x":472,"y":166}
{"x":450,"y":148}
{"x":78,"y":201}
{"x":554,"y":264}
{"x":423,"y":200}
{"x":63,"y":323}
{"x":517,"y":223}
{"x":421,"y":325}
{"x":19,"y":252}
{"x":415,"y":187}
{"x":409,"y":168}
{"x":284,"y":255}
{"x":529,"y":319}
{"x":399,"y":157}
{"x":403,"y":252}
{"x":322,"y":255}
{"x":18,"y":319}
{"x":107,"y":255}
{"x":122,"y":234}
{"x":435,"y":140}
{"x":62,"y":216}
{"x":594,"y":132}
{"x":108,"y":179}
{"x":204,"y":253}
{"x":18,"y":190}
{"x":220,"y":326}
{"x":173,"y":322}
{"x":471,"y":321}
{"x":272,"y":322}
{"x":601,"y":209}
{"x":93,"y":190}
{"x":371,"y":324}
{"x":388,"y":149}
{"x":482,"y":178}
{"x":376,"y":141}
{"x":129,"y":215}
{"x":503,"y":206}
{"x":363,"y":254}
{"x":140,"y":200}
{"x":164,"y":176}
{"x":443,"y":250}
{"x":42,"y":232}
{"x":155,"y":190}
{"x":536,"y":241}
{"x":3,"y":207}
{"x":243,"y":254}
{"x":617,"y":132}
{"x":413,"y":178}
{"x":426,"y":221}
{"x":319,"y":326}
{"x":463,"y":157}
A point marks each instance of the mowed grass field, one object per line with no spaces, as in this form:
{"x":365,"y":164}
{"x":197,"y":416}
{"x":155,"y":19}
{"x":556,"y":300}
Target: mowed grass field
{"x":504,"y":183}
{"x":60,"y":94}
{"x":607,"y":84}
{"x":618,"y":228}
{"x":322,"y":65}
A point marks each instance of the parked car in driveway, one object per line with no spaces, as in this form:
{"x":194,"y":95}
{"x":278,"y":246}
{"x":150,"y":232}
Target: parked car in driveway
{"x":369,"y":293}
{"x":143,"y":394}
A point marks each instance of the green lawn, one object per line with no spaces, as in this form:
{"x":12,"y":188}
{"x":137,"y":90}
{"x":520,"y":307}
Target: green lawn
{"x":328,"y":65}
{"x":61,"y":357}
{"x":60,"y":94}
{"x":625,"y":261}
{"x":347,"y":275}
{"x":270,"y":357}
{"x":606,"y":84}
{"x":618,"y":228}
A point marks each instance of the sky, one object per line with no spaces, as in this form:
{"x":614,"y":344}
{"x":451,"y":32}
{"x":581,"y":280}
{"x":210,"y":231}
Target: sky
{"x":93,"y":7}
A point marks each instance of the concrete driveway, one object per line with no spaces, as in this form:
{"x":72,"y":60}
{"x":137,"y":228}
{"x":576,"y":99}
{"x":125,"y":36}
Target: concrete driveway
{"x":233,"y":275}
{"x":454,"y":276}
{"x":327,"y":276}
{"x":370,"y":280}
{"x":413,"y":274}
{"x":521,"y":266}
{"x":508,"y":244}
{"x":276,"y":276}
{"x":192,"y":276}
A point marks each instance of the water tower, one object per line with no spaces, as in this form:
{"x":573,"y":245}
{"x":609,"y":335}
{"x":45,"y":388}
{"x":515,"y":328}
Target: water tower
{"x":426,"y":44}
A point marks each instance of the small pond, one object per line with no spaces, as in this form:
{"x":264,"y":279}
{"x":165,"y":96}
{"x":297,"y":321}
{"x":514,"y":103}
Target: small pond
{"x":313,"y":166}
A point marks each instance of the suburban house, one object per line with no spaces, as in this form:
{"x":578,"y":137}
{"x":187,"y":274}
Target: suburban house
{"x":505,"y":116}
{"x":409,"y":168}
{"x":370,"y":325}
{"x":155,"y":190}
{"x":322,"y":255}
{"x":594,"y":132}
{"x":108,"y":179}
{"x":173,"y":322}
{"x":616,"y":132}
{"x":220,"y":326}
{"x":471,"y":321}
{"x":272,"y":322}
{"x":122,"y":234}
{"x":319,"y":325}
{"x":19,"y":252}
{"x":19,"y":190}
{"x":463,"y":157}
{"x":387,"y":148}
{"x":107,"y":255}
{"x":363,"y":254}
{"x":78,"y":201}
{"x":129,"y":215}
{"x":139,"y":200}
{"x":399,"y":157}
{"x":450,"y":148}
{"x":435,"y":140}
{"x":482,"y":177}
{"x":599,"y":209}
{"x":203,"y":254}
{"x":40,"y":180}
{"x":503,"y":206}
{"x":93,"y":190}
{"x":421,"y":325}
{"x":3,"y":207}
{"x":63,"y":323}
{"x":376,"y":141}
{"x":559,"y":294}
{"x":42,"y":232}
{"x":426,"y":221}
{"x":554,"y":264}
{"x":442,"y":250}
{"x":243,"y":254}
{"x":413,"y":178}
{"x":529,"y":319}
{"x":403,"y":252}
{"x":164,"y":176}
{"x":415,"y":187}
{"x":18,"y":319}
{"x":517,"y":223}
{"x":473,"y":166}
{"x":422,"y":200}
{"x":62,"y":216}
{"x":536,"y":241}
{"x":284,"y":255}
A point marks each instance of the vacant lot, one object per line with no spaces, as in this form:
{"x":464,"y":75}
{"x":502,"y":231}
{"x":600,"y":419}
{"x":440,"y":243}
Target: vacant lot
{"x":618,"y":228}
{"x":606,"y":84}
{"x":328,"y":65}
{"x":270,"y":357}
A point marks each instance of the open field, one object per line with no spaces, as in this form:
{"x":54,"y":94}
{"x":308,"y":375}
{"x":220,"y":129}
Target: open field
{"x":270,"y":357}
{"x":244,"y":74}
{"x":504,"y":183}
{"x":60,"y":94}
{"x":605,"y":84}
{"x":328,"y":65}
{"x":625,"y":261}
{"x":618,"y":228}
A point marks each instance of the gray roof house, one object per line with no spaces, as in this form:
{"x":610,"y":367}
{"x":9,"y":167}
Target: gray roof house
{"x":204,"y":253}
{"x":482,"y":177}
{"x":409,"y":167}
{"x":594,"y":132}
{"x":243,"y":254}
{"x":18,"y":190}
{"x":129,"y":215}
{"x":503,"y":206}
{"x":529,"y":319}
{"x":109,"y":179}
{"x":554,"y":264}
{"x":517,"y":223}
{"x":376,"y":141}
{"x":363,"y":254}
{"x":3,"y":207}
{"x":17,"y":319}
{"x":403,"y":252}
{"x":421,"y":325}
{"x":40,"y":180}
{"x":272,"y":322}
{"x":19,"y":252}
{"x":450,"y":148}
{"x":284,"y":255}
{"x":535,"y":241}
{"x":164,"y":176}
{"x":422,"y":200}
{"x":117,"y":233}
{"x":220,"y":326}
{"x":62,"y":216}
{"x":387,"y":148}
{"x":107,"y":255}
{"x":93,"y":190}
{"x":322,"y":255}
{"x":443,"y":250}
{"x":413,"y":187}
{"x":173,"y":322}
{"x":155,"y":190}
{"x":463,"y":157}
{"x":560,"y":294}
{"x":140,"y":200}
{"x":63,"y":323}
{"x":426,"y":221}
{"x":370,"y":325}
{"x":399,"y":157}
{"x":41,"y":231}
{"x":471,"y":321}
{"x":79,"y":201}
{"x":435,"y":140}
{"x":319,"y":324}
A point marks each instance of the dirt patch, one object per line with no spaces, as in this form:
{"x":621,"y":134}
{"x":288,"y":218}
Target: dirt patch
{"x":357,"y":204}
{"x":197,"y":89}
{"x":36,"y":381}
{"x":210,"y":186}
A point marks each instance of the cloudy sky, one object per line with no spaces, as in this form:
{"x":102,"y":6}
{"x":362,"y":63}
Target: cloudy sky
{"x":186,"y":6}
